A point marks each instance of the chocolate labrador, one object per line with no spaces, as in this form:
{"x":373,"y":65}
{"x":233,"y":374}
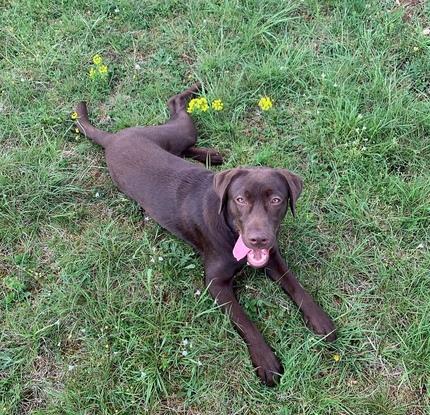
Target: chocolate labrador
{"x":231,"y":218}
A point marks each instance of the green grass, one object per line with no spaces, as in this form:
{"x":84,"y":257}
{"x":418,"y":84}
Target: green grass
{"x":95,"y":303}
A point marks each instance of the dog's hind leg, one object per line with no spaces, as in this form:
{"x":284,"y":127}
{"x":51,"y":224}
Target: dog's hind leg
{"x":178,"y":103}
{"x":179,"y":132}
{"x":179,"y":116}
{"x":85,"y":127}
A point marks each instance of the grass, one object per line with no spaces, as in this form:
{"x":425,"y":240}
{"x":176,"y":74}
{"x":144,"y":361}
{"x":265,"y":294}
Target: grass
{"x":97,"y":305}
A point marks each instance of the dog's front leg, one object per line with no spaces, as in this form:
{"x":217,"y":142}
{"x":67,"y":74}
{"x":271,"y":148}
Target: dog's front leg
{"x":314,"y":315}
{"x":219,"y":279}
{"x":204,"y":155}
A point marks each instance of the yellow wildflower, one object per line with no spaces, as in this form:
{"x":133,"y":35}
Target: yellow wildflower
{"x":217,"y":105}
{"x":74,"y":115}
{"x":265,"y":103}
{"x":200,"y":104}
{"x":93,"y":73}
{"x":97,"y":59}
{"x":103,"y":69}
{"x":336,"y":357}
{"x":191,"y":106}
{"x":77,"y":130}
{"x":204,"y":104}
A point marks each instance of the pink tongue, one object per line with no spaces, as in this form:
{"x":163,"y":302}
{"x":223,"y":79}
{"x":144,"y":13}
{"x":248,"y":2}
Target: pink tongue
{"x":240,"y":250}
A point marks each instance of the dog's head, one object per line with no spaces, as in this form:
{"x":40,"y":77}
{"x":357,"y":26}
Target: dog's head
{"x":255,"y":201}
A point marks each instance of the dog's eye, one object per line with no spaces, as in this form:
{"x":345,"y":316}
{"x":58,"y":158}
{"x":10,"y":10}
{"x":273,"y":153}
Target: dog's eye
{"x":240,"y":200}
{"x":275,"y":201}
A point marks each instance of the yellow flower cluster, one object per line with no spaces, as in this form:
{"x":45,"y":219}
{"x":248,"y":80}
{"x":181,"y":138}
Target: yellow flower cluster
{"x":74,"y":116}
{"x":217,"y":105}
{"x":97,"y":60}
{"x":201,"y":104}
{"x":336,"y":357}
{"x":198,"y":104}
{"x":99,"y":69}
{"x":265,"y":103}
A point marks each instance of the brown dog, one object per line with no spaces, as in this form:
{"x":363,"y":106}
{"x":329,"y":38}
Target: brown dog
{"x":230,"y":218}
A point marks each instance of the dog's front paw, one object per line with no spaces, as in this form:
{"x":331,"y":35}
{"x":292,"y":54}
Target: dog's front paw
{"x":267,"y":365}
{"x":320,"y":323}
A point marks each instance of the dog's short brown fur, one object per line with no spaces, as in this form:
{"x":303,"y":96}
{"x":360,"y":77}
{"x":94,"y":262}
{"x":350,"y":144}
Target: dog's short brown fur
{"x":210,"y":211}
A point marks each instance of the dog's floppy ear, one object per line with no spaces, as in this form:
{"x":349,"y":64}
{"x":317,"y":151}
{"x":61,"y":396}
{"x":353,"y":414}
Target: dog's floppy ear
{"x":295,"y":186}
{"x":221,"y":183}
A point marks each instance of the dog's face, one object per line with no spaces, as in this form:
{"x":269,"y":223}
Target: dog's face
{"x":256,"y":201}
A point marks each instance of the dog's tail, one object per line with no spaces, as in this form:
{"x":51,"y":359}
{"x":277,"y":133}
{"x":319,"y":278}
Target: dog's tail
{"x":83,"y":124}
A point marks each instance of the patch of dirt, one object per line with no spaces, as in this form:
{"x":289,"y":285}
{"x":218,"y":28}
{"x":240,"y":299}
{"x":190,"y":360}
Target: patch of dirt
{"x":71,"y":347}
{"x":412,"y":7}
{"x":188,"y":59}
{"x":10,"y":145}
{"x":360,"y":285}
{"x":409,"y":3}
{"x":104,"y":119}
{"x":5,"y":269}
{"x":174,"y":405}
{"x":254,"y":124}
{"x":69,"y":151}
{"x":44,"y":379}
{"x":47,"y":259}
{"x":413,"y":398}
{"x":32,"y":399}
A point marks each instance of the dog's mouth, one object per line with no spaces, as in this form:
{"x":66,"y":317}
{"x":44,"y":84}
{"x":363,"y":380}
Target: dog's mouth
{"x":257,"y":258}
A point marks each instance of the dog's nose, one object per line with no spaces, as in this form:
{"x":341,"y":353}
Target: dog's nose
{"x":258,"y":240}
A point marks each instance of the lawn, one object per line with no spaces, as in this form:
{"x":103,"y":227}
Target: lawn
{"x":104,"y":312}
